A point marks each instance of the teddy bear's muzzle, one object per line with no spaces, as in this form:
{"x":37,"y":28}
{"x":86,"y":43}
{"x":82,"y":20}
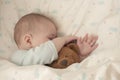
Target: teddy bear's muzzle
{"x":64,"y":62}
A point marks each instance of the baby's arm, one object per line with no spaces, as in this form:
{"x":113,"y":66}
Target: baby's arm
{"x":61,"y":41}
{"x":43,"y":54}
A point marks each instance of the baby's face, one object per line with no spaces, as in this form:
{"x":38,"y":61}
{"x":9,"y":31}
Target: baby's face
{"x":47,"y":32}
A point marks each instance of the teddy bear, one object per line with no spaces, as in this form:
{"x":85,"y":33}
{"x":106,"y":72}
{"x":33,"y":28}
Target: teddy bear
{"x":68,"y":55}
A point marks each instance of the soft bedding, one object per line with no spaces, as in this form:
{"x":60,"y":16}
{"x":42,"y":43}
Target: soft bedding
{"x":73,"y":17}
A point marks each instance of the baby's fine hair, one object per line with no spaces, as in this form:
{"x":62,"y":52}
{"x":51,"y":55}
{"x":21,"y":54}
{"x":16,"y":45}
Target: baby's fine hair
{"x":26,"y":24}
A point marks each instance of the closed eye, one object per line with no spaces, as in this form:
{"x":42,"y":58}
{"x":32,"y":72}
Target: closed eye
{"x":52,"y":37}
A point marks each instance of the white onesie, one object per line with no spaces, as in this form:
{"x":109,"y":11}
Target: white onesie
{"x":45,"y":53}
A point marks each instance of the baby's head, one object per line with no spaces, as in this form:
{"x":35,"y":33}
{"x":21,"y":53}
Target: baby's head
{"x":32,"y":30}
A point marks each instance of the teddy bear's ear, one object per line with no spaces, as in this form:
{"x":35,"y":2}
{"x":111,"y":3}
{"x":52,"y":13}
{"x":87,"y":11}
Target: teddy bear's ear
{"x":74,"y":47}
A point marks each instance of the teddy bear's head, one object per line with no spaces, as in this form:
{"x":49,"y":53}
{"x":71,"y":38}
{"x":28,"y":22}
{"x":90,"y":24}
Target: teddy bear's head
{"x":68,"y":55}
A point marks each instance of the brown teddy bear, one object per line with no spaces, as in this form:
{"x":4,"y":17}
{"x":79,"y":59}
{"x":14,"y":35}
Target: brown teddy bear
{"x":68,"y":55}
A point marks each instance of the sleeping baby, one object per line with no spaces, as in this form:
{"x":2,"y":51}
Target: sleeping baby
{"x":37,"y":41}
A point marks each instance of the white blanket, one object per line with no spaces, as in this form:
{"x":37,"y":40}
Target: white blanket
{"x":77,"y":17}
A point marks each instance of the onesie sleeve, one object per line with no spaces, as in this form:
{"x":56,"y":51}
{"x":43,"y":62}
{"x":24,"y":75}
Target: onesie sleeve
{"x":44,"y":54}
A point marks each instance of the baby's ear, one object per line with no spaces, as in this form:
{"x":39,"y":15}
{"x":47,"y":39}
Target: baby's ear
{"x":28,"y":40}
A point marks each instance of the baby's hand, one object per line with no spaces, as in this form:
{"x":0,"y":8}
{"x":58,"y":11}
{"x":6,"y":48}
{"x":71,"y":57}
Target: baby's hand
{"x":87,"y":44}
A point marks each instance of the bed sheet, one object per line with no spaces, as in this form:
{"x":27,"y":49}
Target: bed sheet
{"x":78,"y":17}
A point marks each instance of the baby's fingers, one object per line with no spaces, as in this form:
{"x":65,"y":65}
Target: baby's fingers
{"x":93,"y":41}
{"x":90,"y":39}
{"x":94,"y":47}
{"x":79,"y":41}
{"x":85,"y":38}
